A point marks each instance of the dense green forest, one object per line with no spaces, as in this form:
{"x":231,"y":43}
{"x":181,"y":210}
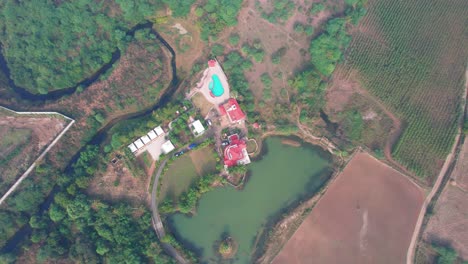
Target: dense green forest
{"x":60,"y":43}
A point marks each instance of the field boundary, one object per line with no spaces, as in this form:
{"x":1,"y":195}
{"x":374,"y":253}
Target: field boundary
{"x":43,"y":153}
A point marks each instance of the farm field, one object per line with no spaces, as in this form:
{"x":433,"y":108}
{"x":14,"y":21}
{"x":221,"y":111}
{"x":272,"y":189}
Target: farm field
{"x":22,"y":138}
{"x":412,"y":56}
{"x":448,"y":226}
{"x":366,"y":216}
{"x":183,"y":171}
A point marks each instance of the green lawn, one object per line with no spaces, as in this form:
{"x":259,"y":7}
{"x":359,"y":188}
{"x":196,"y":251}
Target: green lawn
{"x":182,"y":172}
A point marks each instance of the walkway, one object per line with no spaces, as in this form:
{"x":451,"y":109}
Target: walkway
{"x":157,"y":223}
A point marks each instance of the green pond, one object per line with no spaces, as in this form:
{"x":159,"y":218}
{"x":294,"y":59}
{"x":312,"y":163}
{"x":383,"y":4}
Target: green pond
{"x":283,"y":176}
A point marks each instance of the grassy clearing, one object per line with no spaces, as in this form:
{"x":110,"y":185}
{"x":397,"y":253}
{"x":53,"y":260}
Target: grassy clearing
{"x":415,"y":64}
{"x":183,"y":171}
{"x":201,"y":103}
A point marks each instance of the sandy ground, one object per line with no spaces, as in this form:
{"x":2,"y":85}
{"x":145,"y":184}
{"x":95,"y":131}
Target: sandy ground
{"x":367,"y":216}
{"x":449,"y":224}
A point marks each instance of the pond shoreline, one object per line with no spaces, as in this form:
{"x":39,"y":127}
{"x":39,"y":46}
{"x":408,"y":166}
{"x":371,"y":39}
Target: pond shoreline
{"x":261,"y":237}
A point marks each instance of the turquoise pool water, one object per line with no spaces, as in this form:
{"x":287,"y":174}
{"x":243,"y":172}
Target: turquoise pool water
{"x":215,"y":86}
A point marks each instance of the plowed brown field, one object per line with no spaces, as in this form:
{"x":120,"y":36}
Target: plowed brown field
{"x":366,"y":216}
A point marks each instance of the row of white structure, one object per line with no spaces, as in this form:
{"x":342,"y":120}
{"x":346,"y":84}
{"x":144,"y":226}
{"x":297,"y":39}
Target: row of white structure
{"x":141,"y":142}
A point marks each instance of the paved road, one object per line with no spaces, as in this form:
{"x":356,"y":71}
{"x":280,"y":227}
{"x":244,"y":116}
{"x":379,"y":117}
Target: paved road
{"x":157,"y":223}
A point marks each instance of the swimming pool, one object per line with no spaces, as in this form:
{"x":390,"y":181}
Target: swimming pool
{"x":215,"y":86}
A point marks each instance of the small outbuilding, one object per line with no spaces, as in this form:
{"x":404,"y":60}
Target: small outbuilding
{"x":132,"y":148}
{"x":167,"y":147}
{"x":197,"y":128}
{"x":158,"y":130}
{"x":138,"y":143}
{"x":145,"y":139}
{"x":152,"y":135}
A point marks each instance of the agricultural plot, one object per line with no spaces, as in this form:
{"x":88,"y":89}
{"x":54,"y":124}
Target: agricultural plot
{"x":366,"y":216}
{"x":412,"y":56}
{"x":22,"y":138}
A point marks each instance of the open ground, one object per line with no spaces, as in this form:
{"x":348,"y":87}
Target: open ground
{"x":366,"y":216}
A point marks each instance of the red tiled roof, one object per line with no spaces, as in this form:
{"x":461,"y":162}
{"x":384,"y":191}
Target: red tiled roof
{"x":256,"y":125}
{"x":222,"y":110}
{"x":232,"y":108}
{"x":211,"y":63}
{"x":234,"y":151}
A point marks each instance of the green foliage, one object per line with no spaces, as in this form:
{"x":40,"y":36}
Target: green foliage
{"x":234,"y":39}
{"x":180,"y":8}
{"x":256,"y":51}
{"x":217,"y":50}
{"x":283,"y":9}
{"x":217,"y":15}
{"x":353,"y":125}
{"x":277,"y":55}
{"x":316,"y":8}
{"x":327,"y":49}
{"x":447,"y":255}
{"x":55,"y":46}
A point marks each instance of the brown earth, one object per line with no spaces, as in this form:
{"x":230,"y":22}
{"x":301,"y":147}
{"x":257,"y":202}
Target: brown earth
{"x":366,"y":216}
{"x":449,"y":224}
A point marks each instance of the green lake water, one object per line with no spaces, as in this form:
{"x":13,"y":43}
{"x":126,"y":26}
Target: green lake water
{"x":282,"y":177}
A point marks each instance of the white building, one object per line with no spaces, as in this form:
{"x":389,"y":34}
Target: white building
{"x":138,"y":143}
{"x":132,"y":148}
{"x":167,"y":147}
{"x":152,"y":135}
{"x":145,"y":139}
{"x":197,"y":128}
{"x":159,"y":131}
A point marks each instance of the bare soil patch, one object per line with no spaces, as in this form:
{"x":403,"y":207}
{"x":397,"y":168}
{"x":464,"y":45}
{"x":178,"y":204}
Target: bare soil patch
{"x":366,"y":216}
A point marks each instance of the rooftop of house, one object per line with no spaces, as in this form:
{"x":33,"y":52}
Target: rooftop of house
{"x":236,"y":152}
{"x":233,"y":110}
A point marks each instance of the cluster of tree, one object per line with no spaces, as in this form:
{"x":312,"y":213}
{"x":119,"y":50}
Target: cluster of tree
{"x":255,"y":51}
{"x":282,"y":11}
{"x":352,"y":125}
{"x":57,"y":45}
{"x":235,"y":65}
{"x":326,"y":51}
{"x":215,"y":15}
{"x":267,"y":83}
{"x":446,"y":255}
{"x":180,"y":132}
{"x":301,"y":28}
{"x":278,"y":55}
{"x":90,"y":230}
{"x":188,"y":200}
{"x":179,"y":8}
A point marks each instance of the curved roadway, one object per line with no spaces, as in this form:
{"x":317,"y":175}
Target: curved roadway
{"x":157,"y":223}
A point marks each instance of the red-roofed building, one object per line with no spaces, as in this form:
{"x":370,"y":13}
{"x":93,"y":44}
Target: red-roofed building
{"x":236,"y":152}
{"x":233,"y":110}
{"x":212,"y":63}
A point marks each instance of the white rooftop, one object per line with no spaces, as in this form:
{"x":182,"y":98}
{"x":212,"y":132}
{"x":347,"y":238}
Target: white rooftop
{"x":138,"y":143}
{"x":198,"y":128}
{"x":132,"y":147}
{"x":158,"y":130}
{"x":145,"y":139}
{"x":167,"y":147}
{"x":152,"y":135}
